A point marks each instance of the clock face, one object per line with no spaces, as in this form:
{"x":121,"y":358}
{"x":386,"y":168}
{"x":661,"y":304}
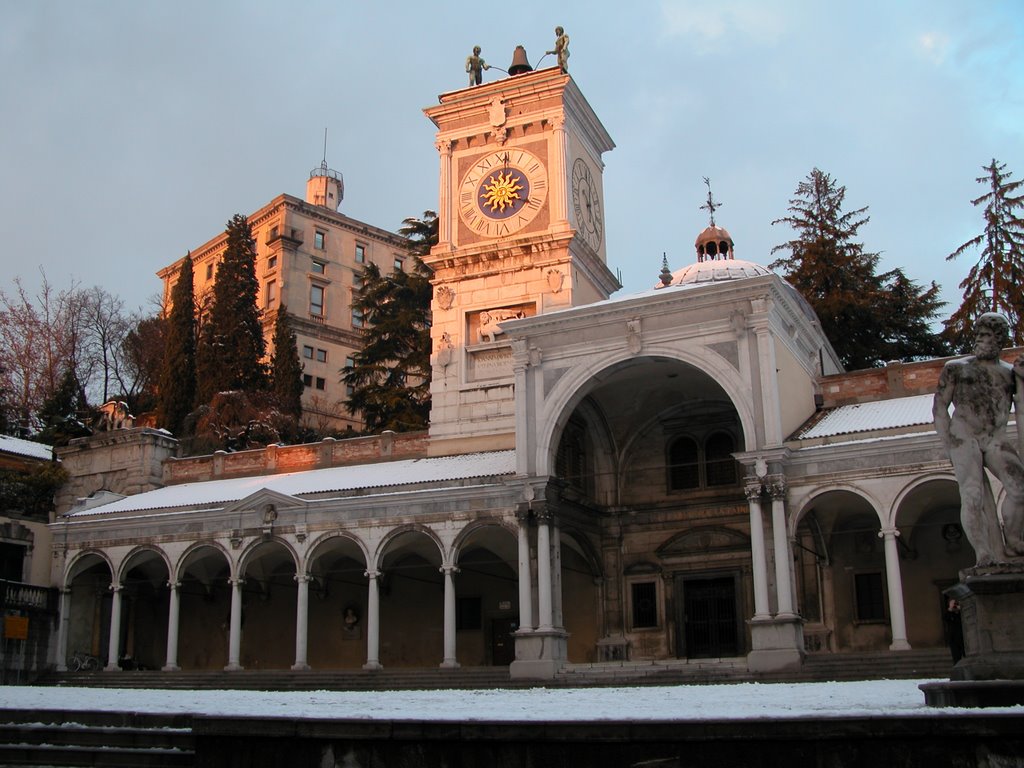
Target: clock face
{"x":502,"y":192}
{"x":587,"y":204}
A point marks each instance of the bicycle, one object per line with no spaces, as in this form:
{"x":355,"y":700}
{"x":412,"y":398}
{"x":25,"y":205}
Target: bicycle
{"x":84,"y":662}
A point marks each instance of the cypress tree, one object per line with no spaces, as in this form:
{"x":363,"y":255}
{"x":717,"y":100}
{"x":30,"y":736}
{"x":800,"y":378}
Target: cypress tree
{"x":177,"y":390}
{"x":285,"y":368}
{"x":231,"y":345}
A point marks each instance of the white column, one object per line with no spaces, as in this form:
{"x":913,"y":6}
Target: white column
{"x":780,"y":537}
{"x":769,"y":380}
{"x":235,"y":636}
{"x":894,"y":582}
{"x":301,"y":621}
{"x":173,"y":613}
{"x":372,"y":622}
{"x":444,"y":149}
{"x":449,"y":661}
{"x":114,"y":644}
{"x":544,"y":571}
{"x":525,"y":579}
{"x":62,"y":630}
{"x":556,"y":574}
{"x":559,"y":201}
{"x":759,"y":560}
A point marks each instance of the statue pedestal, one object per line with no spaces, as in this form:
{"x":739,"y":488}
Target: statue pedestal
{"x":992,"y":613}
{"x":540,"y":654}
{"x":777,"y":644}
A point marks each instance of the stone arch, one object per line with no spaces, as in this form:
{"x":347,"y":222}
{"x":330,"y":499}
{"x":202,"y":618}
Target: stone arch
{"x":268,"y":568}
{"x":581,"y":577}
{"x":87,"y":580}
{"x":411,"y":594}
{"x":202,"y":573}
{"x":77,"y":563}
{"x":818,"y":494}
{"x":139,"y":551}
{"x":145,"y":601}
{"x":486,"y":554}
{"x":197,"y":546}
{"x":571,"y":388}
{"x":336,"y":563}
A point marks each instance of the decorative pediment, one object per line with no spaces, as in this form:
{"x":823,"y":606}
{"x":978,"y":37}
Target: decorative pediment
{"x":266,"y":502}
{"x":705,"y":540}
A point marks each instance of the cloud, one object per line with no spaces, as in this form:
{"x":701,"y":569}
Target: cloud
{"x":933,"y":46}
{"x":706,"y":24}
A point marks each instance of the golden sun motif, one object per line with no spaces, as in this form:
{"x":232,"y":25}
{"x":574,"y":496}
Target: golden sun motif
{"x":501,"y":191}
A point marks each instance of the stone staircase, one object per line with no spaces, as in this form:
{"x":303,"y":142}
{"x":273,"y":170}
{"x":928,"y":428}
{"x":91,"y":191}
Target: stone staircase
{"x":108,"y":739}
{"x":925,"y":664}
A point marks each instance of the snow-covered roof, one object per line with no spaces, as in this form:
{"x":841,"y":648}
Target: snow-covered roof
{"x":28,"y":448}
{"x":868,"y":417}
{"x":348,"y":478}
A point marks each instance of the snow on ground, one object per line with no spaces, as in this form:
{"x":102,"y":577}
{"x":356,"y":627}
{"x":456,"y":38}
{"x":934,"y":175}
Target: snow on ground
{"x":680,"y":703}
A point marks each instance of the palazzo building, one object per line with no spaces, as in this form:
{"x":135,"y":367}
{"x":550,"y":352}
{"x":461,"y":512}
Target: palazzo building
{"x":309,"y":257}
{"x":686,"y":473}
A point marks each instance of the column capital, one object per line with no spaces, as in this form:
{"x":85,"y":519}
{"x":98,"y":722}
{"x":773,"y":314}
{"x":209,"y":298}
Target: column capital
{"x":753,"y":491}
{"x":444,"y":146}
{"x":449,"y":570}
{"x":889,"y":532}
{"x":372,"y":574}
{"x":236,"y":582}
{"x":115,"y":587}
{"x":776,"y":487}
{"x":302,"y":578}
{"x":174,"y":584}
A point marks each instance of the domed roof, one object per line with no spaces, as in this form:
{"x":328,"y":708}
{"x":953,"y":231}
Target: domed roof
{"x":716,"y":271}
{"x":713,"y":241}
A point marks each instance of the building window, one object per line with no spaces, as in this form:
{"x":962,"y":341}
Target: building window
{"x":316,"y":300}
{"x":683,"y":464}
{"x":271,"y":294}
{"x":320,"y":383}
{"x":644,"y":600}
{"x":468,"y":613}
{"x":319,"y":267}
{"x":307,"y":380}
{"x":360,"y":254}
{"x":12,"y":561}
{"x":869,"y":595}
{"x":398,"y":264}
{"x":711,"y":465}
{"x":349,"y":390}
{"x":307,"y":352}
{"x":209,"y":271}
{"x":357,"y":281}
{"x":350,"y":362}
{"x":318,"y":240}
{"x":357,"y":318}
{"x":272,"y":263}
{"x":321,"y":355}
{"x":721,"y":466}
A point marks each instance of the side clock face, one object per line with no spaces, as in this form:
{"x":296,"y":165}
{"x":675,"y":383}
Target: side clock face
{"x":502,"y":192}
{"x":587,"y":204}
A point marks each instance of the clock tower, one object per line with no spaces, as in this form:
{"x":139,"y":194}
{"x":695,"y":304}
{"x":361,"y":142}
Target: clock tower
{"x":521,"y":232}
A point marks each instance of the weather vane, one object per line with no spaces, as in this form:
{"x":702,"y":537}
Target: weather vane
{"x":710,"y":205}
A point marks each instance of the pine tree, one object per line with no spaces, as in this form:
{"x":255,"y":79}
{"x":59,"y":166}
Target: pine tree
{"x":231,"y":346}
{"x":177,"y":390}
{"x":390,"y":378}
{"x":285,"y":368}
{"x":837,"y":276}
{"x":994,"y":282}
{"x":65,"y":413}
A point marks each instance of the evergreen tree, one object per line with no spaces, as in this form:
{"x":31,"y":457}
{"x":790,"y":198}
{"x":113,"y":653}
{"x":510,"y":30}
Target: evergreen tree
{"x":837,"y":276}
{"x":231,"y":346}
{"x":64,"y":415}
{"x":390,"y":378}
{"x":285,"y":368}
{"x":177,"y":389}
{"x":994,"y":282}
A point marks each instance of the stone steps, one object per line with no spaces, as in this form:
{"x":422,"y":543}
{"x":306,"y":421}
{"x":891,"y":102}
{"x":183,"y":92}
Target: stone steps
{"x":61,"y":738}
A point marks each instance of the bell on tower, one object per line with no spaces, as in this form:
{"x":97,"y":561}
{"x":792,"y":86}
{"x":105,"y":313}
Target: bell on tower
{"x":325,"y":187}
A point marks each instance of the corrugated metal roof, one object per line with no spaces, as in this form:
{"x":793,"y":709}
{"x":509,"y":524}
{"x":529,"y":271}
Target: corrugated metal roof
{"x":379,"y":475}
{"x":21,"y":447}
{"x":868,"y":417}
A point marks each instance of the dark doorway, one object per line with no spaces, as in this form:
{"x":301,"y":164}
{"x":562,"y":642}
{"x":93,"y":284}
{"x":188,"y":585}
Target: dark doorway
{"x":706,"y":617}
{"x":503,"y":646}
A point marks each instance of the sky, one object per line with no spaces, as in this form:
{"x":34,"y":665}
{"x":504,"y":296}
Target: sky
{"x":743,"y":701}
{"x":132,"y":132}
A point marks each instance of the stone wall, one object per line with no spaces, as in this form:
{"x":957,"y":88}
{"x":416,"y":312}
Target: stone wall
{"x":294,"y":458}
{"x":896,"y":379}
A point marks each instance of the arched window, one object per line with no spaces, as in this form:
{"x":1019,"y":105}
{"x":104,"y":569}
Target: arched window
{"x":721,"y":466}
{"x":683,"y":464}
